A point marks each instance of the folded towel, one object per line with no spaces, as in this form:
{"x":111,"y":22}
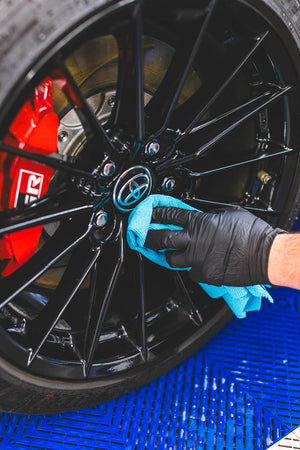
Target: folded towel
{"x":240,"y":299}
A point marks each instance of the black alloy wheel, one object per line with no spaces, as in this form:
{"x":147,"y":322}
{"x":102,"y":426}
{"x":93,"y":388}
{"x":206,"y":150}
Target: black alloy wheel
{"x":197,"y":100}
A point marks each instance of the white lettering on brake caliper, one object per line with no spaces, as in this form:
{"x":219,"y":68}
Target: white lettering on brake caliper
{"x":29,"y":187}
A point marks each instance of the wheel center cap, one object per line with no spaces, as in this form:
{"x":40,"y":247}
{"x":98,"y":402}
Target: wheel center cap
{"x":133,"y":186}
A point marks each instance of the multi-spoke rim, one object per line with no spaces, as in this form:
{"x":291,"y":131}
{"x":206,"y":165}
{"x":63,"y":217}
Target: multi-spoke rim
{"x":180,"y":145}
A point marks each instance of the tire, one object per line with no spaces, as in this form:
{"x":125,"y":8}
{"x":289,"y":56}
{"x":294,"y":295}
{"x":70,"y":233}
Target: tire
{"x":60,"y":349}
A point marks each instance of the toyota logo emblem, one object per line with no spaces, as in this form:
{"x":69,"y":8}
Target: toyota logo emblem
{"x":134,"y":185}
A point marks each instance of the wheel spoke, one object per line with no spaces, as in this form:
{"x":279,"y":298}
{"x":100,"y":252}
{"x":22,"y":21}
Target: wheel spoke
{"x":49,"y":209}
{"x":224,"y":85}
{"x":94,"y":130}
{"x":95,"y":274}
{"x":215,"y":204}
{"x":143,"y":332}
{"x":128,"y":113}
{"x":101,"y":292}
{"x":56,"y":161}
{"x":195,"y":313}
{"x":161,"y":106}
{"x":231,"y":113}
{"x":81,"y":262}
{"x":236,"y":162}
{"x":233,"y":124}
{"x":67,"y":237}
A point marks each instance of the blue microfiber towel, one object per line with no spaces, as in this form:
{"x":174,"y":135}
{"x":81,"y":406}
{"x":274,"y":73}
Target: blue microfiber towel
{"x":240,"y":299}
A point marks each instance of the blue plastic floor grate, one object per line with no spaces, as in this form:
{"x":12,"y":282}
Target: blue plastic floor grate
{"x":241,"y":391}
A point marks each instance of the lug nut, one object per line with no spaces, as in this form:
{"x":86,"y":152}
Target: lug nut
{"x":109,"y":169}
{"x":152,"y":148}
{"x":111,"y":101}
{"x":169,"y":184}
{"x":101,"y":218}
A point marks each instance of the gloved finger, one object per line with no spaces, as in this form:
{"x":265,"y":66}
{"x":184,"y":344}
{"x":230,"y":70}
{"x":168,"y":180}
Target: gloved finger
{"x":171,"y":215}
{"x":164,"y":239}
{"x":223,"y":209}
{"x":217,"y":210}
{"x":198,"y":276}
{"x":176,"y":259}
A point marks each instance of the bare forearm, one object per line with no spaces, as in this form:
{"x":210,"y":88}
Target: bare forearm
{"x":284,"y":261}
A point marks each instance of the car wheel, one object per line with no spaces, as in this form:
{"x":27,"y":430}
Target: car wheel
{"x":102,"y":104}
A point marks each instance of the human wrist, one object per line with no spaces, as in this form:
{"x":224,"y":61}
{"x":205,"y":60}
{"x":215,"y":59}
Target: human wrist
{"x":276,"y":261}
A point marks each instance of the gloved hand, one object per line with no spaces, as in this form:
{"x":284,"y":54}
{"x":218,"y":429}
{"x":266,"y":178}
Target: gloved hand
{"x":227,"y":247}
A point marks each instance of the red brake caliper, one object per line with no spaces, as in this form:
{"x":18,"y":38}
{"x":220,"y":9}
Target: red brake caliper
{"x":23,"y":181}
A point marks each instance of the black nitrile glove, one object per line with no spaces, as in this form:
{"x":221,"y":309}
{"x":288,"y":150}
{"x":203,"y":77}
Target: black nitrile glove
{"x":227,"y":247}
